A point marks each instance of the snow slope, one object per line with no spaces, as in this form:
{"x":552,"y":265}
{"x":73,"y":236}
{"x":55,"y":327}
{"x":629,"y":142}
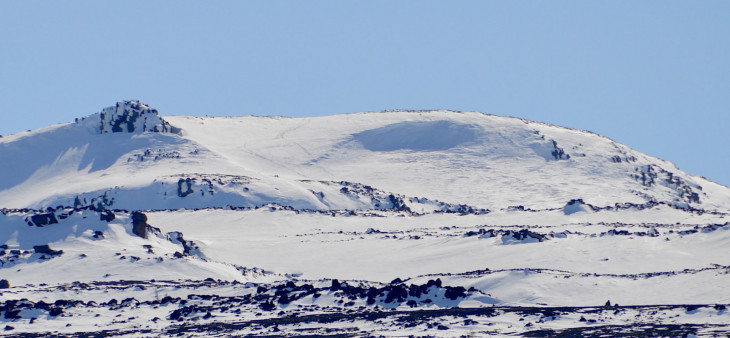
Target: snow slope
{"x":250,"y":221}
{"x":461,"y":157}
{"x":457,"y":157}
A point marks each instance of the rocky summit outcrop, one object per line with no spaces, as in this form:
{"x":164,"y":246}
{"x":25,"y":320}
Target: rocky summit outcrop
{"x":128,"y":117}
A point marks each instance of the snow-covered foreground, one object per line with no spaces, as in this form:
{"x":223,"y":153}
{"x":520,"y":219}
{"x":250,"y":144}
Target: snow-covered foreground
{"x":396,"y":223}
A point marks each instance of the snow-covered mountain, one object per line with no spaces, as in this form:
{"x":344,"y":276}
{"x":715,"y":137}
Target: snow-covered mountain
{"x":459,"y":220}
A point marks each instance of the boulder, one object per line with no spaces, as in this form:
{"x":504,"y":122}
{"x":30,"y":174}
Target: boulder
{"x":139,"y":224}
{"x":43,"y":219}
{"x":106,"y":216}
{"x":46,"y":250}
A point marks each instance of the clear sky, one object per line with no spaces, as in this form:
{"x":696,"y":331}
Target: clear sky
{"x":654,"y":75}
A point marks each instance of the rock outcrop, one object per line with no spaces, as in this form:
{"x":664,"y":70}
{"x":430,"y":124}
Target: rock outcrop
{"x":128,"y":117}
{"x":139,"y":224}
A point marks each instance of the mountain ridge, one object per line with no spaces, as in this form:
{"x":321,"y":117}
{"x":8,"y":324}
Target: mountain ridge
{"x":479,"y":146}
{"x":428,"y":221}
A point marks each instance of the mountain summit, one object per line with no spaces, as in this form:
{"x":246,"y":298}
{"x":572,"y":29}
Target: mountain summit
{"x":469,"y":158}
{"x":128,"y":117}
{"x":457,"y":222}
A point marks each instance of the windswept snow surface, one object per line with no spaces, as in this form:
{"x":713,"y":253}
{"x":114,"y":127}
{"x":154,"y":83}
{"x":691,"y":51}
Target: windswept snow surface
{"x":461,"y":157}
{"x":387,"y":223}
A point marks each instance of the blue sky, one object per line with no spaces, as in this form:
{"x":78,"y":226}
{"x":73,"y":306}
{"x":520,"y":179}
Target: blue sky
{"x":654,"y":75}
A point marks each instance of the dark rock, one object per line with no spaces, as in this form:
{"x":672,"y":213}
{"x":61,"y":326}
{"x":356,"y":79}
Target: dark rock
{"x":176,"y":315}
{"x":414,"y":291}
{"x":558,"y":153}
{"x":46,"y":250}
{"x":139,"y":224}
{"x":268,"y":306}
{"x":4,"y":284}
{"x":62,"y":302}
{"x":188,"y":187}
{"x":471,"y":233}
{"x":189,"y":247}
{"x":525,"y":234}
{"x":398,"y":204}
{"x":436,"y":282}
{"x":44,"y":219}
{"x":106,"y":216}
{"x":11,"y":314}
{"x":455,"y":293}
{"x":397,"y":293}
{"x":56,"y":311}
{"x":131,"y":116}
